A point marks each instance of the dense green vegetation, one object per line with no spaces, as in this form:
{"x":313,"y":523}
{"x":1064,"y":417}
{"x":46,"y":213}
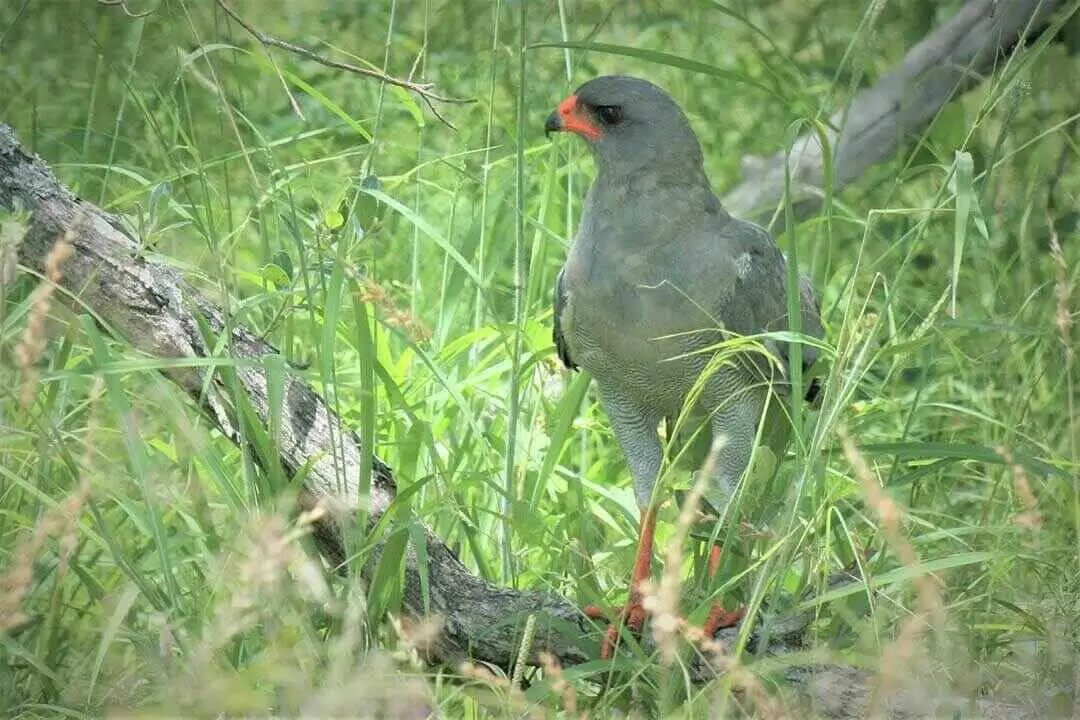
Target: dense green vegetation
{"x":407,"y":267}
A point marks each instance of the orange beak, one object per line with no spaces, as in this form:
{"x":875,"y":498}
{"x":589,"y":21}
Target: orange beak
{"x":571,"y":117}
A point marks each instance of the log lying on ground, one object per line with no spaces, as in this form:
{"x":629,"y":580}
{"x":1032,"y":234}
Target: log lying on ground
{"x":883,"y":119}
{"x":156,"y":310}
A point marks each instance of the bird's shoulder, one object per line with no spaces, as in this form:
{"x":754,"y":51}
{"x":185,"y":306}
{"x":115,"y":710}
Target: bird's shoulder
{"x":737,"y":267}
{"x":751,"y":248}
{"x":759,"y":300}
{"x":758,"y":273}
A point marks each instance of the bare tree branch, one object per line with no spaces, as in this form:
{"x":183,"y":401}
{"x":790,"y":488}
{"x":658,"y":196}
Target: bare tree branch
{"x":424,"y":90}
{"x":883,"y":119}
{"x":156,"y":310}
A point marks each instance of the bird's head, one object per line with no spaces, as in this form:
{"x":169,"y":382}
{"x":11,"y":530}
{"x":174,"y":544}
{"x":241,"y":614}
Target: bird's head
{"x":628,"y":124}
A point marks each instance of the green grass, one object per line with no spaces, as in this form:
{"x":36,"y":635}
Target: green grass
{"x":409,"y":266}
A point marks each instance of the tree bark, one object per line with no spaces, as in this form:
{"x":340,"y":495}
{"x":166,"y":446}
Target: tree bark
{"x":158,"y":312}
{"x":161,"y":315}
{"x":883,"y":119}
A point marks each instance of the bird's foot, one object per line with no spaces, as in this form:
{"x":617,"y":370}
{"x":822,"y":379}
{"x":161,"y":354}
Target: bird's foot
{"x":632,"y":615}
{"x":719,"y":618}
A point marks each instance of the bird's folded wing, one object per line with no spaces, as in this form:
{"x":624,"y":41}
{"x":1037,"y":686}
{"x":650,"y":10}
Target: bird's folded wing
{"x":560,"y":302}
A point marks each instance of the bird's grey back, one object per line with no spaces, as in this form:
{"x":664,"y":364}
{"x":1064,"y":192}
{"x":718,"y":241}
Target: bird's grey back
{"x":668,"y":277}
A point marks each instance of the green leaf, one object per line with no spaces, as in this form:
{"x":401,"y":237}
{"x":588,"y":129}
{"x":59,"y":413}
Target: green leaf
{"x":275,"y":276}
{"x":937,"y":451}
{"x":333,"y":220}
{"x":963,"y":173}
{"x":900,"y":574}
{"x":284,"y":261}
{"x":427,"y":229}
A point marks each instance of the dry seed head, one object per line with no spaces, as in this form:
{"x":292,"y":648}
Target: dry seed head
{"x":264,"y":557}
{"x":11,"y":236}
{"x":891,"y":520}
{"x":1063,"y":318}
{"x":553,"y":672}
{"x":663,"y":603}
{"x":482,"y":673}
{"x":15,"y":584}
{"x":477,"y":671}
{"x":418,"y":636}
{"x":897,"y":656}
{"x":374,"y":294}
{"x":741,"y":678}
{"x":30,"y":351}
{"x":1030,"y":517}
{"x":61,"y":521}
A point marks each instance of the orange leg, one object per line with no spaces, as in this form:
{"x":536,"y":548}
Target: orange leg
{"x":719,"y":618}
{"x":633,"y":613}
{"x":714,"y":560}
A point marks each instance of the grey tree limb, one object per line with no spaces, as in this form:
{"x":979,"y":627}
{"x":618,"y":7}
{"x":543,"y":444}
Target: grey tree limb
{"x":881,"y":120}
{"x":159,"y":313}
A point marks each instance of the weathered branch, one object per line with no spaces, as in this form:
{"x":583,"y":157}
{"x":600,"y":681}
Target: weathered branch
{"x":156,"y":310}
{"x":883,"y":119}
{"x":425,"y":91}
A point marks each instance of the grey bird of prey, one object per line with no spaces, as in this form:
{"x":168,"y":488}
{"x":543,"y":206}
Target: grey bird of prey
{"x":658,"y":275}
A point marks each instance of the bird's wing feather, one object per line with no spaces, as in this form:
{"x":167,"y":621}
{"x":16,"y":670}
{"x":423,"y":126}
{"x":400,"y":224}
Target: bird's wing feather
{"x":759,"y":300}
{"x":560,"y":301}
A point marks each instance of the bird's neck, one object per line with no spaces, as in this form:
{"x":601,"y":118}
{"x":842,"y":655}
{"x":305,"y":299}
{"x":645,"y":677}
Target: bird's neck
{"x":654,"y":203}
{"x":651,"y":169}
{"x":678,"y":158}
{"x":626,"y":220}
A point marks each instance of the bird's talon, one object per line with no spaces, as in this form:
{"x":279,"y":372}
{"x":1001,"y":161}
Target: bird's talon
{"x":632,"y":615}
{"x":719,"y":618}
{"x":607,"y":650}
{"x":595,"y":612}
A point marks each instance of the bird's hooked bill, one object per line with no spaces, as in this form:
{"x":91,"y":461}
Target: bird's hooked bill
{"x":572,"y":116}
{"x":553,"y":123}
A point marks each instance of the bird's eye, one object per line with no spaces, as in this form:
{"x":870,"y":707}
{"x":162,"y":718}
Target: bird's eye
{"x":610,"y":114}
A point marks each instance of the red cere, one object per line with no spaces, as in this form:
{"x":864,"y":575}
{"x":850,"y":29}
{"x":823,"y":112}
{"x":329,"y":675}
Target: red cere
{"x":566,"y":107}
{"x":576,"y":121}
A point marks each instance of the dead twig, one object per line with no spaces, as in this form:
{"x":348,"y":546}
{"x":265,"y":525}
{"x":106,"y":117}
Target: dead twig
{"x":425,"y":91}
{"x":122,"y":4}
